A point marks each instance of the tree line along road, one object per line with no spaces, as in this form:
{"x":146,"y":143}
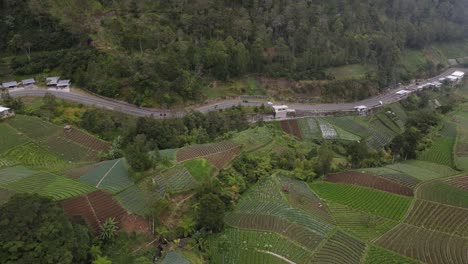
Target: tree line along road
{"x":389,"y":97}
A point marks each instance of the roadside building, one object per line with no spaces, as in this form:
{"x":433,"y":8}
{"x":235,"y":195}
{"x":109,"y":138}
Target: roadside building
{"x":403,"y":92}
{"x":361,"y":109}
{"x":459,"y":74}
{"x":63,"y":84}
{"x":52,"y":81}
{"x":6,"y":112}
{"x":10,"y":85}
{"x":281,"y":111}
{"x":28,"y":82}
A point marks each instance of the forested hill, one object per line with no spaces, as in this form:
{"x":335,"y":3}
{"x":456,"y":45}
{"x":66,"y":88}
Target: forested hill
{"x":167,"y":50}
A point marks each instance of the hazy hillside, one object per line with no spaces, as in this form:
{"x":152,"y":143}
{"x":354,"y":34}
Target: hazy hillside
{"x":166,"y":51}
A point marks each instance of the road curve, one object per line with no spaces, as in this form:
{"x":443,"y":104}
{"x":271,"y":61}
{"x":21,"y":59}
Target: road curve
{"x":389,"y":97}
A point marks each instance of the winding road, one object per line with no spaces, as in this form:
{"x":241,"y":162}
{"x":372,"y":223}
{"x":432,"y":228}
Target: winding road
{"x":388,"y":97}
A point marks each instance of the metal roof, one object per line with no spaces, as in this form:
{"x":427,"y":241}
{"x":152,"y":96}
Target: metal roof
{"x":28,"y":81}
{"x":63,"y":83}
{"x":4,"y":109}
{"x":458,"y":74}
{"x":10,"y":84}
{"x":52,"y":80}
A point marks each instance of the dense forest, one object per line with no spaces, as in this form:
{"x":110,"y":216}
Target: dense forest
{"x":165,"y":51}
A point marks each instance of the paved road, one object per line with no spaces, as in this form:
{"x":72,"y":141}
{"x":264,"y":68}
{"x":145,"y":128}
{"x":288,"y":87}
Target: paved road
{"x":115,"y":105}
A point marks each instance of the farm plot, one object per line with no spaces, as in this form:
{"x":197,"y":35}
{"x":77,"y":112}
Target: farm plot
{"x":33,"y":155}
{"x":13,"y":174}
{"x":399,"y":112}
{"x":175,"y":180}
{"x":425,"y":245}
{"x":350,"y":125}
{"x":68,"y":150}
{"x":95,"y":208}
{"x":459,"y":182}
{"x":291,"y":127}
{"x":345,"y":135}
{"x":393,"y":175}
{"x":10,"y":138}
{"x":200,"y":169}
{"x":363,"y":225}
{"x":133,"y":199}
{"x":220,"y":160}
{"x":242,"y":246}
{"x":380,"y":135}
{"x":7,"y":163}
{"x":174,"y":258}
{"x":33,"y":127}
{"x":372,"y":201}
{"x":110,"y":175}
{"x":417,"y":172}
{"x":169,"y":154}
{"x":376,"y":255}
{"x":86,"y":140}
{"x":253,"y":139}
{"x":439,"y":217}
{"x":367,"y":180}
{"x":77,"y":172}
{"x":461,"y":148}
{"x":328,"y":131}
{"x":56,"y":187}
{"x":444,"y":193}
{"x":340,"y":249}
{"x":441,"y":151}
{"x":300,"y":196}
{"x":389,"y":123}
{"x":443,"y":170}
{"x":198,"y":151}
{"x":309,"y":128}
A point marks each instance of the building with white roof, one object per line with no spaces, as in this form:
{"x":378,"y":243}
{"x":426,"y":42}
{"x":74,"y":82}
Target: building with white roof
{"x":28,"y":82}
{"x":281,"y":111}
{"x":403,"y":92}
{"x":458,"y":74}
{"x":6,"y":112}
{"x":10,"y":85}
{"x":63,"y":84}
{"x":52,"y":81}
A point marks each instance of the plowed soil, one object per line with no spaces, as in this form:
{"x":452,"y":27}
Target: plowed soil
{"x":291,"y":127}
{"x":371,"y":181}
{"x":219,"y":160}
{"x":459,"y":182}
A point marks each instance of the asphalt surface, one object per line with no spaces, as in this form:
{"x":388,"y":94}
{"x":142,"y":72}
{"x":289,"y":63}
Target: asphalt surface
{"x":388,"y":97}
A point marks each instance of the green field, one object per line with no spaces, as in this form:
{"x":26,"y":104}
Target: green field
{"x":249,"y":246}
{"x":440,"y":192}
{"x":254,"y":138}
{"x":200,"y":169}
{"x":351,"y":71}
{"x":372,"y":201}
{"x":32,"y":155}
{"x":422,"y":171}
{"x":12,"y":174}
{"x":5,"y":195}
{"x":309,"y":128}
{"x":174,"y":258}
{"x":341,"y":248}
{"x":169,"y":154}
{"x":377,"y":255}
{"x":393,"y":175}
{"x":111,"y":176}
{"x":134,"y":200}
{"x":10,"y":138}
{"x":56,"y":187}
{"x":33,"y":127}
{"x":175,"y":180}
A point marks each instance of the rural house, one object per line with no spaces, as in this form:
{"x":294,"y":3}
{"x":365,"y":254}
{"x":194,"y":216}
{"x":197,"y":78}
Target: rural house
{"x":6,"y":112}
{"x":28,"y":82}
{"x":52,"y":81}
{"x":10,"y":85}
{"x":281,"y":111}
{"x":63,"y":84}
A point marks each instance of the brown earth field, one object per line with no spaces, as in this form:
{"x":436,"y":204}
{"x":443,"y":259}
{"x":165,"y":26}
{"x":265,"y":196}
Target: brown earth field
{"x":459,"y":182}
{"x":219,"y":160}
{"x":198,"y":151}
{"x":371,"y":181}
{"x":98,"y":206}
{"x":291,"y":127}
{"x":86,"y":140}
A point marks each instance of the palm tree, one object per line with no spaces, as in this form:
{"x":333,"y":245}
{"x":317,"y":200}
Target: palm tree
{"x":108,"y":229}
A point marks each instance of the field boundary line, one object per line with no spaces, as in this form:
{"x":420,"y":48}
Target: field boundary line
{"x":107,"y":173}
{"x":276,"y":255}
{"x":365,"y":253}
{"x":92,"y":210}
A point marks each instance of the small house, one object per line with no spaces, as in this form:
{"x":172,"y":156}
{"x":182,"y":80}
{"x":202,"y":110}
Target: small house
{"x":10,"y":85}
{"x":361,"y":109}
{"x":28,"y":82}
{"x":6,"y":112}
{"x":281,"y":111}
{"x":458,"y":74}
{"x":63,"y":84}
{"x":52,"y":81}
{"x":403,"y":92}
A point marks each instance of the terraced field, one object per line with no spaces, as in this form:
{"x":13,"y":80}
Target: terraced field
{"x":441,"y":192}
{"x":175,"y":180}
{"x":68,"y":150}
{"x":363,"y":225}
{"x":309,"y":128}
{"x":220,"y":160}
{"x":198,"y":151}
{"x":439,"y":217}
{"x":367,"y":180}
{"x":254,"y":138}
{"x":425,"y":245}
{"x":33,"y":127}
{"x":10,"y":138}
{"x":381,"y":135}
{"x":13,"y":174}
{"x":200,"y":169}
{"x":376,"y":255}
{"x":393,"y":175}
{"x":372,"y":201}
{"x":441,"y":150}
{"x":340,"y":249}
{"x":110,"y":175}
{"x":134,"y":200}
{"x":291,"y":127}
{"x":327,"y":129}
{"x":248,"y":246}
{"x":169,"y":154}
{"x":422,"y":171}
{"x":174,"y":258}
{"x":86,"y":140}
{"x":459,"y":182}
{"x":349,"y":124}
{"x":388,"y":122}
{"x":56,"y":187}
{"x":5,"y":195}
{"x":33,"y":155}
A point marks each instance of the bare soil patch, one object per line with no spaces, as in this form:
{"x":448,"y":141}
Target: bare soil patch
{"x":291,"y":127}
{"x":459,"y":182}
{"x":371,"y":181}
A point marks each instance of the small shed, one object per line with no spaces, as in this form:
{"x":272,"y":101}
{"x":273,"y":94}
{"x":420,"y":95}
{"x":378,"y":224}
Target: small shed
{"x":281,"y":111}
{"x":403,"y":92}
{"x":6,"y":112}
{"x":458,"y":74}
{"x":52,"y":81}
{"x":67,"y":128}
{"x":63,"y":84}
{"x":10,"y":85}
{"x":28,"y":82}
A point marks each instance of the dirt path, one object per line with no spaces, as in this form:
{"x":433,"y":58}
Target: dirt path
{"x":276,"y":255}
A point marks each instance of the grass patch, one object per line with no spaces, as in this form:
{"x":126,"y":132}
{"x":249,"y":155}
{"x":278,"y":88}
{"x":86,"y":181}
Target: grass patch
{"x":10,"y":138}
{"x":352,"y":71}
{"x":200,"y":169}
